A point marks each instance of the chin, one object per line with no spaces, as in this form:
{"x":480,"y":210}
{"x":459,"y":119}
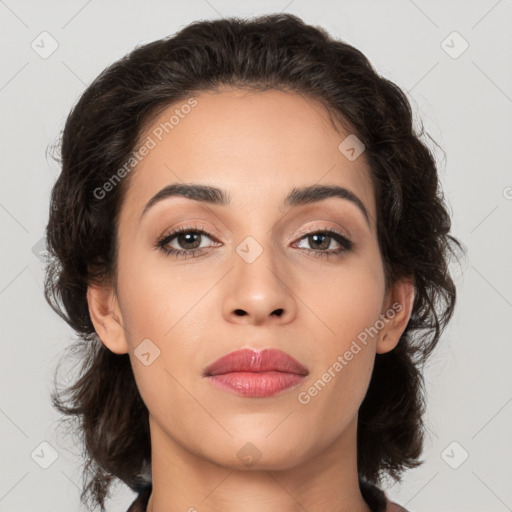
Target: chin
{"x":253,"y":453}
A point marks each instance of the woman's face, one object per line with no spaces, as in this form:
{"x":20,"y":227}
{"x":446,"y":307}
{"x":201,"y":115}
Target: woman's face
{"x":257,"y":280}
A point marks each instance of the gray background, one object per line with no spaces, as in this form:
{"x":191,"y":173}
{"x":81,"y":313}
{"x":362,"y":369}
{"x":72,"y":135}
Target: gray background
{"x":465,"y":101}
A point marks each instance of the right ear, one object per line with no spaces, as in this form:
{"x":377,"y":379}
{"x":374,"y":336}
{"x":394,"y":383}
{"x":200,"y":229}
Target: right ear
{"x":106,"y":317}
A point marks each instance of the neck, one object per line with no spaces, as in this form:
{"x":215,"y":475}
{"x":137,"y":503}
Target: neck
{"x":186,"y":481}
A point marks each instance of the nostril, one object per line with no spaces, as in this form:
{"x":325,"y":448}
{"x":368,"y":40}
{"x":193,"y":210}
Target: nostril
{"x":240,"y":312}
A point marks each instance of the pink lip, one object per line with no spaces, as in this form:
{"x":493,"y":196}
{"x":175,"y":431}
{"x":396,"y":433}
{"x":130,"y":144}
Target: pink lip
{"x":256,"y":373}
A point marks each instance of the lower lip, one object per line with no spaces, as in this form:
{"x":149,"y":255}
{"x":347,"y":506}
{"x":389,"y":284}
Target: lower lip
{"x":253,"y":384}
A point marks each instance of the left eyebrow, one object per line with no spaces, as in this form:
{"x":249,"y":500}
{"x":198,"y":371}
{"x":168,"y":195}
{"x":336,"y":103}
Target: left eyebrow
{"x":217,"y":196}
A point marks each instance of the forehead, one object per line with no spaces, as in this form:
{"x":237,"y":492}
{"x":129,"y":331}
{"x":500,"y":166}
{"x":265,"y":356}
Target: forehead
{"x":255,"y":145}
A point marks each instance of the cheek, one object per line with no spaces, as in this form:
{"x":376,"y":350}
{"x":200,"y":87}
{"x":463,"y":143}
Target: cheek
{"x":163,"y":312}
{"x":157,"y":295}
{"x":348,"y":302}
{"x":346,"y":298}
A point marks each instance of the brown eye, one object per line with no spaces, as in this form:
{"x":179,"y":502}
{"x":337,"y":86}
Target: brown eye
{"x":188,"y":241}
{"x":319,"y":241}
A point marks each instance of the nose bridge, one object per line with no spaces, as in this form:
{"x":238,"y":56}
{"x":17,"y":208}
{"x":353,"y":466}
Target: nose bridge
{"x":258,"y":287}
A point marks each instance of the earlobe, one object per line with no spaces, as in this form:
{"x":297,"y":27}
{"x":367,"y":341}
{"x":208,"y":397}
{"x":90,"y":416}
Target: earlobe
{"x":106,"y":317}
{"x":398,"y":310}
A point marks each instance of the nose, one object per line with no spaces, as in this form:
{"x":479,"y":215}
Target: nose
{"x":259,"y":291}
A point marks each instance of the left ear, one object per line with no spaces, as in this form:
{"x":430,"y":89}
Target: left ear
{"x":396,"y":314}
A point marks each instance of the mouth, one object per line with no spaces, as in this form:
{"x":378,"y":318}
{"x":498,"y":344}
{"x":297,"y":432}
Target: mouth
{"x":255,"y":374}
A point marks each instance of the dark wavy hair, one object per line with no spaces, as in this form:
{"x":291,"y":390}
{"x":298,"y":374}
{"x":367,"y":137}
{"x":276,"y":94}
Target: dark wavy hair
{"x":270,"y":52}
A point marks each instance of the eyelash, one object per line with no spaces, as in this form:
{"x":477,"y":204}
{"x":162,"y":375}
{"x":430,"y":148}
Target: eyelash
{"x":161,"y":244}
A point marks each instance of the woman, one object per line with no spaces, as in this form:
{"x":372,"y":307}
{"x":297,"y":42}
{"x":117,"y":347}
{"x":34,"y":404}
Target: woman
{"x":251,"y":242}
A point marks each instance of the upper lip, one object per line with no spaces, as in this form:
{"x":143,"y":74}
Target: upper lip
{"x":249,"y":360}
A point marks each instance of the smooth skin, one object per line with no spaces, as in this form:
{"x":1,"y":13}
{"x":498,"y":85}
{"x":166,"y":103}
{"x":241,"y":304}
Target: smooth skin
{"x":256,"y":146}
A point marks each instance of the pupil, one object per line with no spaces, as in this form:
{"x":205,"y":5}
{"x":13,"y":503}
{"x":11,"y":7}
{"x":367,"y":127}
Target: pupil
{"x":186,"y":236}
{"x":315,"y":237}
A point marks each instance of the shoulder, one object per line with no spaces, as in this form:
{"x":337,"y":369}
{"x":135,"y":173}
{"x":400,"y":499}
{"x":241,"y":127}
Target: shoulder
{"x":141,"y":501}
{"x":377,"y":500}
{"x":394,"y":507}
